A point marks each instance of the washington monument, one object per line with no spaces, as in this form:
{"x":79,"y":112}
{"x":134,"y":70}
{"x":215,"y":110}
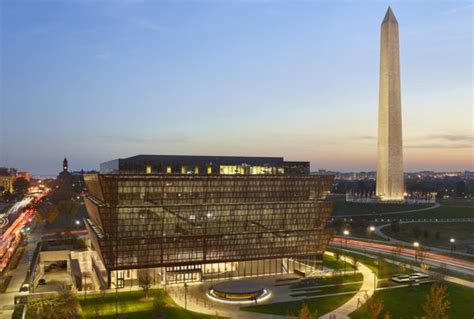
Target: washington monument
{"x":390,"y":145}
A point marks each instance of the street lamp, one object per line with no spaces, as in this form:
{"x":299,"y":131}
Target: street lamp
{"x":346,"y":233}
{"x":77,"y":222}
{"x":452,"y":241}
{"x":371,"y":231}
{"x":185,"y":295}
{"x":416,"y":245}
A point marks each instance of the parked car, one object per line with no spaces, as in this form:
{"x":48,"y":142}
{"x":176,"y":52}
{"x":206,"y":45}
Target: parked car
{"x":42,"y":281}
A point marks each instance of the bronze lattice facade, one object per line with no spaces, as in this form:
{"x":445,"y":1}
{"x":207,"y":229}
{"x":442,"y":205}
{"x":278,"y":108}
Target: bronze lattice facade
{"x":159,"y":220}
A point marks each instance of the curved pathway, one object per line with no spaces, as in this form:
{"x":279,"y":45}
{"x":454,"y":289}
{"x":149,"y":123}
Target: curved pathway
{"x":197,"y":300}
{"x":367,"y":288}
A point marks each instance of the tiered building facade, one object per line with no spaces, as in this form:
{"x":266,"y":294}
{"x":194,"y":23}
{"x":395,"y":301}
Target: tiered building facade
{"x":194,"y":218}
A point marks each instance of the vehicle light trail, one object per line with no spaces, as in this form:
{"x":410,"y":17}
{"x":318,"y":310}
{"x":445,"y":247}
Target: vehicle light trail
{"x":405,"y":251}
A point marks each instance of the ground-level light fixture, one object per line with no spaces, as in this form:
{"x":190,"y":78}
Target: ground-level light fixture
{"x":77,"y":222}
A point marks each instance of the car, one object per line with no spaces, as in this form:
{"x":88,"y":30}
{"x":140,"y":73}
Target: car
{"x":25,"y":288}
{"x":42,"y":281}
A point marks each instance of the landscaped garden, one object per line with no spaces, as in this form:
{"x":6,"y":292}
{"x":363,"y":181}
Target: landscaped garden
{"x":314,"y":291}
{"x":135,"y":306}
{"x":407,"y":302}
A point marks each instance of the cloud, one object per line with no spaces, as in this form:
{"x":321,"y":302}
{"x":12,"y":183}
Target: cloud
{"x":365,"y":137}
{"x":441,"y":146}
{"x":460,"y":8}
{"x":451,"y":137}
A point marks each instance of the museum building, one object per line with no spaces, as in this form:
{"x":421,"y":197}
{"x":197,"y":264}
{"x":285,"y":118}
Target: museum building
{"x":194,"y":218}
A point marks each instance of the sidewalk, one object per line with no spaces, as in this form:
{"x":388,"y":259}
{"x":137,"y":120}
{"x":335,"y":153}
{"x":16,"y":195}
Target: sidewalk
{"x":358,"y":299}
{"x":18,"y":277}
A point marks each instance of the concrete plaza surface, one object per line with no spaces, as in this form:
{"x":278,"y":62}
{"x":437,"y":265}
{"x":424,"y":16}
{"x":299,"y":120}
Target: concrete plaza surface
{"x":195,"y":298}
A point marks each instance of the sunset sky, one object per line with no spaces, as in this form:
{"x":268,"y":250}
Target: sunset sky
{"x":98,"y":80}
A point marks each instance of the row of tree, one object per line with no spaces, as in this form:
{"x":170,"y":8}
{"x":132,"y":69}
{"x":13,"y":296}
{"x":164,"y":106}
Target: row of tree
{"x":447,"y":186}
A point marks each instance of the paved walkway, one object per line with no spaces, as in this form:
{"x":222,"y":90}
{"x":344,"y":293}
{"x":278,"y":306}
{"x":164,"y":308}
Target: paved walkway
{"x":196,"y":299}
{"x":367,"y":288}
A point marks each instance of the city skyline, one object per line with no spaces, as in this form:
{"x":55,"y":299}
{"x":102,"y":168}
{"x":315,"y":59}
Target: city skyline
{"x":304,"y":86}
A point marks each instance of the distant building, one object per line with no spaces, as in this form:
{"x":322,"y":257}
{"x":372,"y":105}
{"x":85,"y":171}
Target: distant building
{"x":7,"y":178}
{"x":64,"y":178}
{"x":25,"y":175}
{"x":194,"y":218}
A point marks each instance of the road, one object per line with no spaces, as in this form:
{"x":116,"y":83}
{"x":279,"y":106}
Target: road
{"x":429,"y":257}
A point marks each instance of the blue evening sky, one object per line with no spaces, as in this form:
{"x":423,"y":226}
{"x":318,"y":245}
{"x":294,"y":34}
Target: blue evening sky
{"x":97,"y":80}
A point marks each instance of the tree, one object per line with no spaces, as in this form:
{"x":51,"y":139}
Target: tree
{"x":402,"y":267}
{"x":145,"y":280}
{"x":159,"y":307}
{"x":436,"y":303}
{"x":64,"y":305}
{"x":374,"y":306}
{"x":305,"y":312}
{"x":424,"y":267}
{"x":21,"y":185}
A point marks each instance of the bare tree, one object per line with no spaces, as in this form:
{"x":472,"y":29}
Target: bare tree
{"x":145,"y":280}
{"x":374,"y":306}
{"x":436,"y":303}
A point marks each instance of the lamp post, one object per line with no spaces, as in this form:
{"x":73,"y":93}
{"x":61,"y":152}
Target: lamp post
{"x":185,"y":295}
{"x":416,"y":245}
{"x":452,"y":241}
{"x":346,"y":233}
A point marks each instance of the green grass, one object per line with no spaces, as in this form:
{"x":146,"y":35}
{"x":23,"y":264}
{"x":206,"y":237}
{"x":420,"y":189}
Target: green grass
{"x":383,"y":270}
{"x":444,"y":211}
{"x":323,"y":305}
{"x":331,"y":262}
{"x":130,"y":303}
{"x":350,"y":208}
{"x":462,"y":232}
{"x":450,"y":208}
{"x":407,"y":302}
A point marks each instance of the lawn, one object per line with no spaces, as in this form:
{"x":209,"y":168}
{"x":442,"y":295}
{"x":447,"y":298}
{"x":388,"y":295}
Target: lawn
{"x":331,"y":262}
{"x":129,"y":303}
{"x":444,"y":211}
{"x":462,"y":232}
{"x":350,"y":208}
{"x":450,"y":208}
{"x":383,"y":269}
{"x":406,"y":302}
{"x":323,"y":305}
